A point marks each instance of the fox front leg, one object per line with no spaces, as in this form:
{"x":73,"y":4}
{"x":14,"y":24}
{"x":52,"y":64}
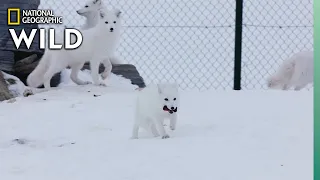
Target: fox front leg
{"x":107,"y":68}
{"x":173,"y":121}
{"x":94,"y":66}
{"x":160,"y":128}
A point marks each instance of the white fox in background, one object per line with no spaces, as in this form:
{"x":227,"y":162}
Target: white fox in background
{"x":93,"y":49}
{"x":91,"y":12}
{"x":296,"y":72}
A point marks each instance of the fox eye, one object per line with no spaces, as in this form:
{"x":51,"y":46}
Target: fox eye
{"x":114,"y":22}
{"x":86,"y":6}
{"x":106,"y":22}
{"x":166,"y":99}
{"x":174,"y":99}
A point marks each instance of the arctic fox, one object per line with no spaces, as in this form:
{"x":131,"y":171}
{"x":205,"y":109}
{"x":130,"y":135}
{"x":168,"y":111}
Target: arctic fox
{"x":93,"y":49}
{"x":91,"y":12}
{"x":297,"y":72}
{"x":154,"y":104}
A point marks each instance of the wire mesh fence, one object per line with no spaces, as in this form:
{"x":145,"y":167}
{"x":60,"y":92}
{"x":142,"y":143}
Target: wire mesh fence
{"x":273,"y":31}
{"x":192,"y":41}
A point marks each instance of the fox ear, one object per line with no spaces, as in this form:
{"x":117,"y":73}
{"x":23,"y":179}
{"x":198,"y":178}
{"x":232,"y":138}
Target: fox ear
{"x":118,"y":13}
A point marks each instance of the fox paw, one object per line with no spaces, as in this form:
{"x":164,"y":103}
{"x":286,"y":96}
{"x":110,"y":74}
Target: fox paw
{"x":166,"y":136}
{"x":87,"y":82}
{"x":103,"y":84}
{"x":84,"y":83}
{"x":100,"y":84}
{"x":104,"y":75}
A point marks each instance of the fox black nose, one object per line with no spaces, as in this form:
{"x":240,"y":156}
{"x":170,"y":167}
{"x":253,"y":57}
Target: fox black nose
{"x":172,"y":108}
{"x":111,"y":29}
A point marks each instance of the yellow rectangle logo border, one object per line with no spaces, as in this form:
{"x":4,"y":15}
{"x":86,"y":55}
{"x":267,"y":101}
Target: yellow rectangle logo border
{"x":18,"y":16}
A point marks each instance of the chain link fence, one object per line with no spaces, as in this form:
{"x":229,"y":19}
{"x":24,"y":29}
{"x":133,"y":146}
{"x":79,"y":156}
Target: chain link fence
{"x":192,"y":41}
{"x":273,"y":31}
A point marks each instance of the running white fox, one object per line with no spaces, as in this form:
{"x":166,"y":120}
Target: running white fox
{"x":296,"y":72}
{"x":91,"y":12}
{"x":93,"y":49}
{"x":154,"y":104}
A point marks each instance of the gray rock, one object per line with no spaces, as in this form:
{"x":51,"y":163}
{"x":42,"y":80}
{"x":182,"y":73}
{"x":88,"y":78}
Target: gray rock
{"x":4,"y":91}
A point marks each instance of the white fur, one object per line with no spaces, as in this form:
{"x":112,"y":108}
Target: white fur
{"x":296,"y":72}
{"x":92,"y":49}
{"x":91,"y":12}
{"x":149,"y":109}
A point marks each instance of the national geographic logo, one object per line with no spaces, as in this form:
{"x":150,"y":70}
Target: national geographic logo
{"x":36,"y":16}
{"x":72,"y":38}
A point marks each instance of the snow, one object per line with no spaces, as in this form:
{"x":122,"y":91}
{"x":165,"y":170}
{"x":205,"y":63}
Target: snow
{"x":223,"y":135}
{"x":85,"y":75}
{"x":18,"y":88}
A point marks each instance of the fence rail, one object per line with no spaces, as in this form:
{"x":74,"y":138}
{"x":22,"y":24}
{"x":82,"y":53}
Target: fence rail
{"x":195,"y":43}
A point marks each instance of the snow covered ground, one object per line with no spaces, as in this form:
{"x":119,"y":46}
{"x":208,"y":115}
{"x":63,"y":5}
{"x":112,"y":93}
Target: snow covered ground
{"x":18,"y":88}
{"x":84,"y":133}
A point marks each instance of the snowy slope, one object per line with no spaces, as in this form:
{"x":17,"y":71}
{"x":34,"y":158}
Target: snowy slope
{"x":116,"y":81}
{"x":221,"y":135}
{"x":18,"y":88}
